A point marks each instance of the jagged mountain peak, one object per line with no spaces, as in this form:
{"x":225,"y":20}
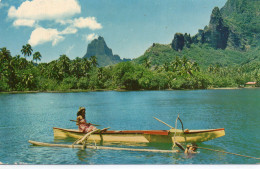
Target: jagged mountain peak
{"x":216,"y":17}
{"x":104,"y":54}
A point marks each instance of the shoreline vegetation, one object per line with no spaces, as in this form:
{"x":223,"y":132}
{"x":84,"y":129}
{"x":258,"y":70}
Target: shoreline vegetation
{"x":120,"y":90}
{"x":18,"y":74}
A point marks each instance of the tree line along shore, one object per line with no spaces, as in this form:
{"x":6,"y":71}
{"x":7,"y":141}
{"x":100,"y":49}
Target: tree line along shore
{"x":20,"y":74}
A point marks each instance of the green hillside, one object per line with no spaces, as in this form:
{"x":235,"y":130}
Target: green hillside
{"x":231,"y":38}
{"x":159,"y":54}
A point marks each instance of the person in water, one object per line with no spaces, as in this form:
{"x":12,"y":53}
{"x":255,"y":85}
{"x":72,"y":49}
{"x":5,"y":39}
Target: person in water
{"x":82,"y":123}
{"x":190,"y":149}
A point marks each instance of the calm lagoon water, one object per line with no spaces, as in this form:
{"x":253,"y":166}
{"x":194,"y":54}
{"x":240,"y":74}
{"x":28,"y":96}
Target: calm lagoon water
{"x":31,"y":117}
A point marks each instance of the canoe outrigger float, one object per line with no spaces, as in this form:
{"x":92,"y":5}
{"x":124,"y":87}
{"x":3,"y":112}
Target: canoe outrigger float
{"x":144,"y":136}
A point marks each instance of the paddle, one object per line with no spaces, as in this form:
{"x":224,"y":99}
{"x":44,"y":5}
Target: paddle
{"x":89,"y":123}
{"x":180,"y":146}
{"x":163,"y":122}
{"x":83,"y":139}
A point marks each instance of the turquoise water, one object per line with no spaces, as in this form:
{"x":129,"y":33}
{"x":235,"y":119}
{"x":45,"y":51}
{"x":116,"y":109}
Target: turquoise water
{"x":31,"y":117}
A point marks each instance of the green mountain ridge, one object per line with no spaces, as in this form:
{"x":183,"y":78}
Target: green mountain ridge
{"x":231,"y":38}
{"x":243,"y":16}
{"x":203,"y":54}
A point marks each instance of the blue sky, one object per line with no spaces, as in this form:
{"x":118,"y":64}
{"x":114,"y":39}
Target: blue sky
{"x":129,"y":27}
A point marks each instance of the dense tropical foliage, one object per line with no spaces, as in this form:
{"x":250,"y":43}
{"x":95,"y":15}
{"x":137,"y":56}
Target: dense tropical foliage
{"x":63,"y":74}
{"x":203,"y":54}
{"x":171,"y":66}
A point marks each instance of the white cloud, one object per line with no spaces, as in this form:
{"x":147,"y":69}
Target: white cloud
{"x":69,"y":30}
{"x":31,"y":12}
{"x":24,"y":22}
{"x":41,"y":35}
{"x":64,"y":22}
{"x":89,"y":22}
{"x":45,"y":9}
{"x":91,"y":37}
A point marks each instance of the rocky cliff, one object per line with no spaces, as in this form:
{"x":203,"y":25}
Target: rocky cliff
{"x":216,"y":33}
{"x":235,"y":26}
{"x":243,"y":19}
{"x":104,"y":54}
{"x":180,"y":41}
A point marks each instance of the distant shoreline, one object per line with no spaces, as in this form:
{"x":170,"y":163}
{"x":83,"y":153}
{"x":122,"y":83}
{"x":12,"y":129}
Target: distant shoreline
{"x":118,"y":90}
{"x":227,"y":88}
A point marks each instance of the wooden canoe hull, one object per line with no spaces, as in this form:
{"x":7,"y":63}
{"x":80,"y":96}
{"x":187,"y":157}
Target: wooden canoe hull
{"x":143,"y":136}
{"x":197,"y":135}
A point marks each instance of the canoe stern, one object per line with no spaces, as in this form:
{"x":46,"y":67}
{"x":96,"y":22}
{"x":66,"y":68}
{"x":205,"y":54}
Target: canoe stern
{"x":198,"y":135}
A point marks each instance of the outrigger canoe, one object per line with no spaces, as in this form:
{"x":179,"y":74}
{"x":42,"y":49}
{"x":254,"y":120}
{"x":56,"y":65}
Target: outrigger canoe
{"x":144,"y":136}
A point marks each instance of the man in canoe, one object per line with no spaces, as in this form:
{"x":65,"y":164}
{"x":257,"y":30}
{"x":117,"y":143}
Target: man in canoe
{"x":82,"y":123}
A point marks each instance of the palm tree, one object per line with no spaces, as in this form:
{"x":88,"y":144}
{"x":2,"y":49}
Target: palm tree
{"x":166,"y":66}
{"x":147,"y":63}
{"x":76,"y":68}
{"x":156,"y":67}
{"x":53,"y":70}
{"x":27,"y":80}
{"x":100,"y":73}
{"x":93,"y":61}
{"x":22,"y":63}
{"x":63,"y":64}
{"x":5,"y":55}
{"x":27,"y":50}
{"x":37,"y":56}
{"x":7,"y":67}
{"x":184,"y":61}
{"x":189,"y":68}
{"x":176,"y":64}
{"x":85,"y":65}
{"x":210,"y":68}
{"x":196,"y":66}
{"x":42,"y":68}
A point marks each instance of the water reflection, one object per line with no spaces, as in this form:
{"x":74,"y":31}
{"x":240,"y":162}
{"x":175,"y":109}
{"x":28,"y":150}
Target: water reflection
{"x":85,"y":155}
{"x":88,"y":155}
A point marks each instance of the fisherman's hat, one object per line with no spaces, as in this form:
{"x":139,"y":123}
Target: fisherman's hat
{"x":82,"y":108}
